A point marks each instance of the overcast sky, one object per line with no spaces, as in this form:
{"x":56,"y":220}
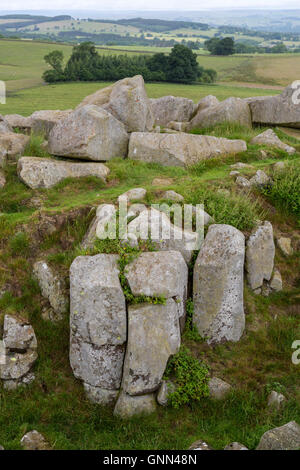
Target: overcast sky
{"x":143,"y":4}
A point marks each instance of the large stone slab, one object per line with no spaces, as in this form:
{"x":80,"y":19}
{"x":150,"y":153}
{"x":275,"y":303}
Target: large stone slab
{"x":229,"y":110}
{"x":260,"y":253}
{"x":161,"y":274}
{"x":218,"y":285}
{"x":286,"y":437}
{"x":180,"y":149}
{"x":127,"y":101}
{"x":98,"y":321}
{"x":280,"y":110}
{"x":172,"y":108}
{"x":52,"y":286}
{"x":89,"y":133}
{"x":153,"y":336}
{"x":46,"y":172}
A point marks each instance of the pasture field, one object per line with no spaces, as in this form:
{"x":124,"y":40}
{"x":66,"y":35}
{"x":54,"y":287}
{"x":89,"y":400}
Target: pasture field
{"x":69,"y":95}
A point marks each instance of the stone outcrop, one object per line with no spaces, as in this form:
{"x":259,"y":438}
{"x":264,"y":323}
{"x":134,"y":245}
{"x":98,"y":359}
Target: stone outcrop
{"x":260,"y":253}
{"x":172,"y":108}
{"x":280,"y":110}
{"x":270,"y":139}
{"x":46,"y":172}
{"x":98,"y":323}
{"x":153,"y":336}
{"x":160,"y":274}
{"x":90,"y":133}
{"x":218,"y":388}
{"x":229,"y":110}
{"x":218,"y":285}
{"x":127,"y":101}
{"x":20,"y":353}
{"x":53,"y":288}
{"x":180,"y":149}
{"x":164,"y":235}
{"x":286,"y":437}
{"x":206,"y":102}
{"x":43,"y":121}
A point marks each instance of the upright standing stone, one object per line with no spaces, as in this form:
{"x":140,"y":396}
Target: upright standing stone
{"x":98,"y":323}
{"x":218,"y":285}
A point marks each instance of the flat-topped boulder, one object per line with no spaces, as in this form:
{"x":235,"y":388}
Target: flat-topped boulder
{"x":172,"y":108}
{"x":43,"y":121}
{"x":280,"y":110}
{"x":229,"y":110}
{"x":218,"y":285}
{"x":127,"y":101}
{"x":89,"y":133}
{"x":180,"y":149}
{"x":46,"y":172}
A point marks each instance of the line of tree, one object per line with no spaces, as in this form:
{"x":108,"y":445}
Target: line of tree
{"x":227,"y":46}
{"x":85,"y":64}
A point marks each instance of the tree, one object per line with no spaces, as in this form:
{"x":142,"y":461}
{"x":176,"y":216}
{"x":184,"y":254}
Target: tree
{"x":220,"y":46}
{"x":55,"y":60}
{"x":182,"y":65}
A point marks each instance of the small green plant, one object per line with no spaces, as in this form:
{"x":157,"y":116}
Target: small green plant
{"x":190,"y":332}
{"x":19,"y":244}
{"x":190,"y":376}
{"x":35,"y":147}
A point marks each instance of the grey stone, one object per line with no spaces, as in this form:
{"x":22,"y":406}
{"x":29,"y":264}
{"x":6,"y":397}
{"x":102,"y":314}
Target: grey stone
{"x":235,"y":446}
{"x":165,"y":390}
{"x":259,"y":179}
{"x":133,"y":194}
{"x":218,"y":285}
{"x":100,"y":395}
{"x":285,"y":245}
{"x":260,"y":253}
{"x":127,"y":101}
{"x":276,"y":400}
{"x":42,"y":122}
{"x":34,"y":440}
{"x":207,"y":101}
{"x":153,"y":336}
{"x":276,"y":281}
{"x":2,"y":179}
{"x":200,"y":445}
{"x":218,"y":388}
{"x":173,"y":196}
{"x":98,"y":321}
{"x":99,"y":226}
{"x":286,"y":437}
{"x":16,"y":121}
{"x":89,"y":133}
{"x":46,"y":172}
{"x":180,"y":149}
{"x":270,"y":139}
{"x":243,"y":182}
{"x":128,"y":406}
{"x":4,"y":125}
{"x":11,"y":146}
{"x":53,"y":288}
{"x":171,"y":108}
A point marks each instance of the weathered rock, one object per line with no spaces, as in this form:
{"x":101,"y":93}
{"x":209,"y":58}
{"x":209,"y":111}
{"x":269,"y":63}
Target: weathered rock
{"x":89,"y":133}
{"x":128,"y":406}
{"x":240,"y":165}
{"x":12,"y":145}
{"x":180,"y":149}
{"x":46,"y":172}
{"x":276,"y":400}
{"x":218,"y":389}
{"x":2,"y":179}
{"x":53,"y":288}
{"x":16,"y":121}
{"x":98,"y":321}
{"x":164,"y":235}
{"x":153,"y":336}
{"x":20,"y":352}
{"x":100,"y":395}
{"x":200,"y":445}
{"x":207,"y":101}
{"x":160,"y":274}
{"x":234,"y":173}
{"x":133,"y":194}
{"x":43,"y":121}
{"x":34,"y":440}
{"x":162,"y":181}
{"x":165,"y":390}
{"x":177,"y":126}
{"x":235,"y":446}
{"x":286,"y":437}
{"x":270,"y":139}
{"x":276,"y":281}
{"x":243,"y":182}
{"x":127,"y":101}
{"x":229,"y":110}
{"x":1,"y":447}
{"x":277,"y":110}
{"x":260,"y":179}
{"x":4,"y":125}
{"x":218,"y":285}
{"x":99,"y":225}
{"x":172,"y":196}
{"x":260,"y":252}
{"x":285,"y":245}
{"x":171,"y":108}
{"x":279,"y":166}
